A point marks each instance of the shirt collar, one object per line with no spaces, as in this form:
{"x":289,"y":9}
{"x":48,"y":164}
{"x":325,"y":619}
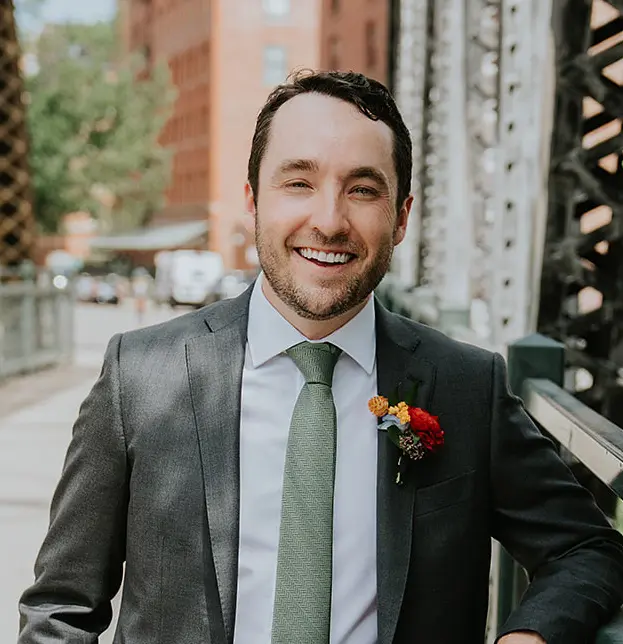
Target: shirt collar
{"x":270,"y":334}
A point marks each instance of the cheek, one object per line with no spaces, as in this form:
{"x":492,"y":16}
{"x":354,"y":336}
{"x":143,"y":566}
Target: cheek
{"x":376,"y":228}
{"x":280,"y":216}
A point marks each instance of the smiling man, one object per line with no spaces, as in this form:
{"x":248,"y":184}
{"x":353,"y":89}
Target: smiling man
{"x":332,"y":206}
{"x":233,"y":459}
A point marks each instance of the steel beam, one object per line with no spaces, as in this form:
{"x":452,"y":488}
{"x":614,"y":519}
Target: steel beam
{"x":582,"y":282}
{"x":412,"y":87}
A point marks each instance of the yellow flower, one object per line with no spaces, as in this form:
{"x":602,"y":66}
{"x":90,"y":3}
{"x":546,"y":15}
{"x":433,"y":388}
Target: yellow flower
{"x":378,"y":405}
{"x":401,"y":411}
{"x":403,"y":415}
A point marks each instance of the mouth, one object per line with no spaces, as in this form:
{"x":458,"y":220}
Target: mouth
{"x":330,"y":259}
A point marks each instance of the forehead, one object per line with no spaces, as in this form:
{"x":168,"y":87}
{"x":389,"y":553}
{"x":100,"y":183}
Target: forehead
{"x":329,"y":131}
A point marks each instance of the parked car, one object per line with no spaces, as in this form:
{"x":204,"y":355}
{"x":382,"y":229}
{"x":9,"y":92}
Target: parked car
{"x":187,"y":277}
{"x":107,"y":291}
{"x":85,"y":288}
{"x":234,"y":283}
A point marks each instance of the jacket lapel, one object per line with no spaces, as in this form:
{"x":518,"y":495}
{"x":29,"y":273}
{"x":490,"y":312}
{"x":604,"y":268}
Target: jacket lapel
{"x":396,"y":364}
{"x":215,"y":361}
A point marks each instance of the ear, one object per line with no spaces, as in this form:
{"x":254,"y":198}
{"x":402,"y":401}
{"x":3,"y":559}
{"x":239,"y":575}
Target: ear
{"x":250,"y":209}
{"x":402,"y":219}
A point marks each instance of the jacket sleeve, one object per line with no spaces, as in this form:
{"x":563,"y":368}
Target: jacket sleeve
{"x":79,"y":568}
{"x":552,"y":527}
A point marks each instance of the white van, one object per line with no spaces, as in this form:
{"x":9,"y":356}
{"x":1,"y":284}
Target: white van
{"x":188,"y":277}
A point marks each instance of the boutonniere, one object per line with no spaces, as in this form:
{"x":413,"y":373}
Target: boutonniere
{"x":412,"y":429}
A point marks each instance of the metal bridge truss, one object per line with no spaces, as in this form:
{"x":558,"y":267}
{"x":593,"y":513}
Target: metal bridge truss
{"x":582,"y":282}
{"x":515,"y":109}
{"x":16,"y":219}
{"x":480,"y":118}
{"x":431,"y":92}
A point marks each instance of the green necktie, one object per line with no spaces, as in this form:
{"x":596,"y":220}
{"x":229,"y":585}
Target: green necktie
{"x":302,"y":610}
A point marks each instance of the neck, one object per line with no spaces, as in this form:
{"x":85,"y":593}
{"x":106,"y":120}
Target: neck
{"x":311,"y":329}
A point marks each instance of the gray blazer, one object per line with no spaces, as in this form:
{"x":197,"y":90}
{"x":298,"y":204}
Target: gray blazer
{"x":151,"y":480}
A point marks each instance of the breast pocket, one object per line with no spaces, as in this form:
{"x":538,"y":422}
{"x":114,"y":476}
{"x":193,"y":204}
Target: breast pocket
{"x":445,"y":494}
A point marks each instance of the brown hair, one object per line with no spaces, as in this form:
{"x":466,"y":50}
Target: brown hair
{"x":371,"y":97}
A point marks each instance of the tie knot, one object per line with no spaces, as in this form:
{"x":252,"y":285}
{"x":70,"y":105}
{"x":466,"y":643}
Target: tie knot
{"x":316,"y":361}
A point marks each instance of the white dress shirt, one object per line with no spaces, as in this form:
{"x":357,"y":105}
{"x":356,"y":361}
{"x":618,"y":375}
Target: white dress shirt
{"x":271,"y":383}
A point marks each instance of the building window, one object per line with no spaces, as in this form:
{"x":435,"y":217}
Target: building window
{"x":334,"y":58}
{"x":146,"y":55}
{"x":275,"y":67}
{"x":175,"y":72}
{"x":276,"y":8}
{"x":371,"y":51}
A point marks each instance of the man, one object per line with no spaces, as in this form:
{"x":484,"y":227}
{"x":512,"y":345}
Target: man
{"x":229,"y":457}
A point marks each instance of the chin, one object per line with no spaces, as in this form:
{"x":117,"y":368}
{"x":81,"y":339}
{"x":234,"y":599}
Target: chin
{"x":320,"y":314}
{"x":313,"y":298}
{"x":323,"y":302}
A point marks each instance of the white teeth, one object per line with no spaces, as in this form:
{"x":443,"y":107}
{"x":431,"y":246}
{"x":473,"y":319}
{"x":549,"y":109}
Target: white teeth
{"x":327,"y":258}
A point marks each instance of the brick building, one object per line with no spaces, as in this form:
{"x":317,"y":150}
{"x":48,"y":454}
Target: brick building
{"x":225,"y":56}
{"x":356,"y":34}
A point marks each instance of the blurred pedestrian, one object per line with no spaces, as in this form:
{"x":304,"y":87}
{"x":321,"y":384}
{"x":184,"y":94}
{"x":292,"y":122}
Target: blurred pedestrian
{"x":140,"y":292}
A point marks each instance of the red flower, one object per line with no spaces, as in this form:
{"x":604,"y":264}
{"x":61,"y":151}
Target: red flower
{"x":427,"y":428}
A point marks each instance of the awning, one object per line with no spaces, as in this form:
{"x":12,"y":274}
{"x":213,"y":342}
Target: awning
{"x":156,"y":238}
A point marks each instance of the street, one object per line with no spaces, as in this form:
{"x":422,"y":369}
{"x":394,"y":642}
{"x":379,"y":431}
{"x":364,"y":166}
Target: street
{"x":36,"y":416}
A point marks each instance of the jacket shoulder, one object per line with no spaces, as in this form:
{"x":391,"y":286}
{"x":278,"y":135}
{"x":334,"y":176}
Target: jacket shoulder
{"x":170,"y":331}
{"x":440,"y":348}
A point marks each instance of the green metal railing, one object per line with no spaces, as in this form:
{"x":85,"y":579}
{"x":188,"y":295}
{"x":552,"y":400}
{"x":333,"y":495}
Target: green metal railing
{"x":536,"y":367}
{"x":36,"y":327}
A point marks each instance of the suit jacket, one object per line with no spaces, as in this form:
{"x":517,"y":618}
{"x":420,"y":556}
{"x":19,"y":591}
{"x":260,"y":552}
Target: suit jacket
{"x":151,"y":479}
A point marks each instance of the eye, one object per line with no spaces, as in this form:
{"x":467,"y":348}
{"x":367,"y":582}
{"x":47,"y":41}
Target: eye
{"x":365,"y":191}
{"x":297,"y":184}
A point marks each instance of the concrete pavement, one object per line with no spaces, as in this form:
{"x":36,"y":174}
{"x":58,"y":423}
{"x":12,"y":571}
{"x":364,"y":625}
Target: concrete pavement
{"x":35,"y":429}
{"x":32,"y":448}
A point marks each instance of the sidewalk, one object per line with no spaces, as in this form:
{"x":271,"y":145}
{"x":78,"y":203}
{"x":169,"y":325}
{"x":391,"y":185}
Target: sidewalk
{"x":31,"y":389}
{"x":33,"y":441}
{"x":37,"y":413}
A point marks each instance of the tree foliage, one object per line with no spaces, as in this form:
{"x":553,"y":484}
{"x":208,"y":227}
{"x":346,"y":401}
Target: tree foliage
{"x":94,"y":128}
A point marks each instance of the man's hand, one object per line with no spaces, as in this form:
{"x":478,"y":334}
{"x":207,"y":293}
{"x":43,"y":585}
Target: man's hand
{"x":522,"y":637}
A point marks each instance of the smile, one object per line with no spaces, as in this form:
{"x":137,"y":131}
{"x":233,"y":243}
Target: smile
{"x":324,"y":258}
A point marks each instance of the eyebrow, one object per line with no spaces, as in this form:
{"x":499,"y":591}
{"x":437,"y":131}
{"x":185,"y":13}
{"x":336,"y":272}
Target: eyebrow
{"x":296,"y":165}
{"x":308,"y":165}
{"x":368,"y":172}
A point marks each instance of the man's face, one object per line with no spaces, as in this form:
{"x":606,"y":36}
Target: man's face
{"x":326,"y":221}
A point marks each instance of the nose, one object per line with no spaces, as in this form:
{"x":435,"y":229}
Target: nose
{"x":330,"y":216}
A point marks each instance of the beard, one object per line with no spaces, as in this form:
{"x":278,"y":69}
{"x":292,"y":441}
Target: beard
{"x":332,"y":298}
